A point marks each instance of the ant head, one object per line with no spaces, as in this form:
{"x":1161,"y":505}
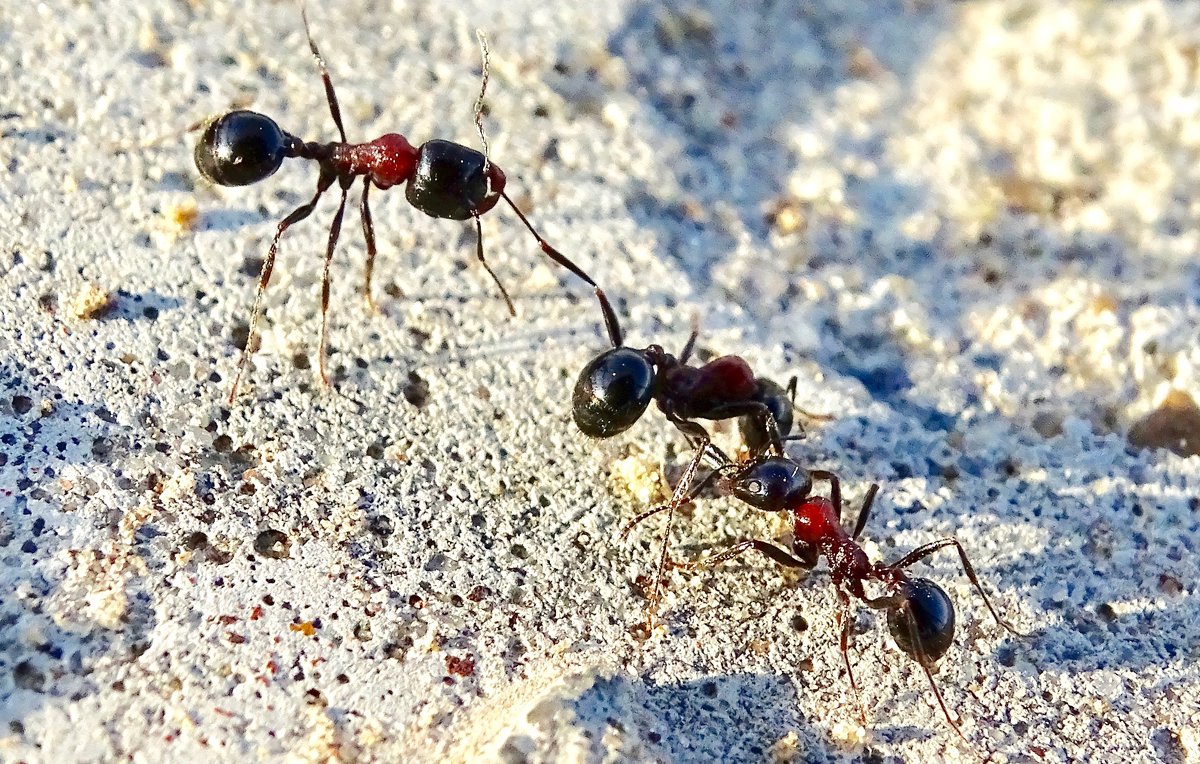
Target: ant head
{"x":496,"y":178}
{"x":240,"y":148}
{"x":772,"y":484}
{"x":450,"y":181}
{"x":496,"y":181}
{"x":613,"y":392}
{"x":926,"y":612}
{"x":779,"y":402}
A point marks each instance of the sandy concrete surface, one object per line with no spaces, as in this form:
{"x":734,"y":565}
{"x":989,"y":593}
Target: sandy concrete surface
{"x":969,"y":228}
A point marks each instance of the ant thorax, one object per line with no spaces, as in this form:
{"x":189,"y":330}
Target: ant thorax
{"x":722,"y":380}
{"x":815,"y":522}
{"x":388,"y":161}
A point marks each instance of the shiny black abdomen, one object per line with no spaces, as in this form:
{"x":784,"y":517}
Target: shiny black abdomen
{"x":930,"y":610}
{"x":240,"y":148}
{"x":612,"y":392}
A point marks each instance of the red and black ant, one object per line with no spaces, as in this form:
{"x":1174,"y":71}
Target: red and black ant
{"x":445,"y":180}
{"x":920,"y":615}
{"x":617,"y":386}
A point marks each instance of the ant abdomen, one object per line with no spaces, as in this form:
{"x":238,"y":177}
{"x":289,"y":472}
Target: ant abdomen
{"x":613,"y":392}
{"x":450,"y":181}
{"x":240,"y":148}
{"x":929,"y":609}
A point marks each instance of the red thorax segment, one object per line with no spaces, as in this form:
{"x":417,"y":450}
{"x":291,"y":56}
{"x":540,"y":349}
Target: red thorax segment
{"x":386,"y":161}
{"x":815,"y":522}
{"x":728,"y":379}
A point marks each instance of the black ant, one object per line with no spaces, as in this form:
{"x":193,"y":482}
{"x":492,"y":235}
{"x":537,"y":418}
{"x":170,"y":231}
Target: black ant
{"x":617,"y":386}
{"x":920,"y":615}
{"x":445,"y":180}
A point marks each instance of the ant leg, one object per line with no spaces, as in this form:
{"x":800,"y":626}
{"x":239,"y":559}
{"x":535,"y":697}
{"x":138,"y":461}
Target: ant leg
{"x":835,"y":496}
{"x":335,"y":230}
{"x":701,"y":485}
{"x":479,"y":254}
{"x":718,"y":456}
{"x":773,"y":434}
{"x":845,"y":625}
{"x":766,"y":420}
{"x":835,"y":489}
{"x":754,"y":409}
{"x":697,"y":436}
{"x":330,"y":96}
{"x":923,"y":660}
{"x":691,"y":341}
{"x":926,"y":550}
{"x":791,"y":391}
{"x":550,"y":251}
{"x":695,"y":491}
{"x":369,"y":235}
{"x":805,"y":556}
{"x":611,"y":324}
{"x":680,"y":495}
{"x":865,"y":510}
{"x":610,"y":318}
{"x":692,"y":493}
{"x":264,"y":276}
{"x":640,"y":518}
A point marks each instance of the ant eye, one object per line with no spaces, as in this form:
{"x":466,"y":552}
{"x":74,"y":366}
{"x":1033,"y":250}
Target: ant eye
{"x":755,"y":487}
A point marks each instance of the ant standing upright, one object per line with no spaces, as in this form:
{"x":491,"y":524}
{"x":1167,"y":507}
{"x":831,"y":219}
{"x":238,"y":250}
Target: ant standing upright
{"x":445,"y":180}
{"x":920,"y":615}
{"x":616,"y":387}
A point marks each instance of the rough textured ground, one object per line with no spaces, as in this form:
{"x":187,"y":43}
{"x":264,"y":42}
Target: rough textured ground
{"x":969,"y":228}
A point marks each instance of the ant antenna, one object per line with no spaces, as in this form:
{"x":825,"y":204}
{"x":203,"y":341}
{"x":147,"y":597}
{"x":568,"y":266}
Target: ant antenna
{"x":611,"y":324}
{"x":487,"y":60}
{"x":330,"y":96}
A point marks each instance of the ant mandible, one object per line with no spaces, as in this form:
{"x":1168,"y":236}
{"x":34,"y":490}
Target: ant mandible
{"x":445,"y":180}
{"x":616,"y":387}
{"x":920,"y":615}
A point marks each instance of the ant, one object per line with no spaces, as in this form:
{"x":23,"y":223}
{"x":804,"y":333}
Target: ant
{"x":445,"y":180}
{"x":920,"y":615}
{"x":616,"y":387}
